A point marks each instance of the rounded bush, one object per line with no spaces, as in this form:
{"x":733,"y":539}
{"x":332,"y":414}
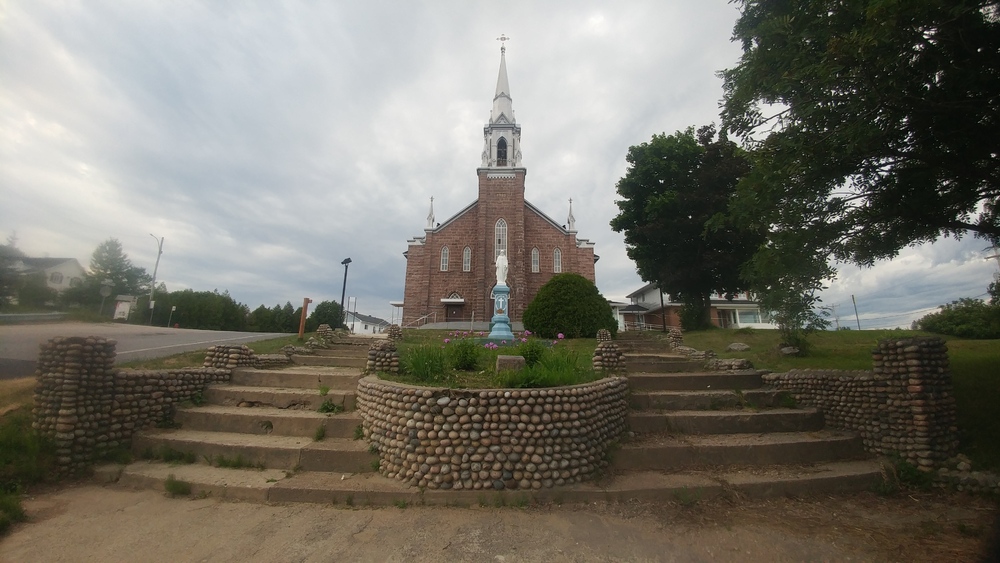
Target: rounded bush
{"x":569,"y":304}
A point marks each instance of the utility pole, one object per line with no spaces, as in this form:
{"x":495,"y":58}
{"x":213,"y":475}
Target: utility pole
{"x":856,"y":311}
{"x":343,"y":291}
{"x":152,"y":287}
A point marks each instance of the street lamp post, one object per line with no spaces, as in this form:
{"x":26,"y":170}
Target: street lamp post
{"x":343,"y":291}
{"x":171,"y":316}
{"x":152,"y":287}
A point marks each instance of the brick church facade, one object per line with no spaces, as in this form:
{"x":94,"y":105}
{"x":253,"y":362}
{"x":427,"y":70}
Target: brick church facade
{"x":450,"y":270}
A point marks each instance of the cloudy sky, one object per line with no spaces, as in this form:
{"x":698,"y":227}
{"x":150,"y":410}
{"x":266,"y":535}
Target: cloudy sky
{"x":268,"y":141}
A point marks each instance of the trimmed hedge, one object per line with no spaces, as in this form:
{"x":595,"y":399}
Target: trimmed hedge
{"x":569,"y":304}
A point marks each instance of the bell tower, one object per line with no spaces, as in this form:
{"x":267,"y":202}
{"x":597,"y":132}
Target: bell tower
{"x":502,"y":135}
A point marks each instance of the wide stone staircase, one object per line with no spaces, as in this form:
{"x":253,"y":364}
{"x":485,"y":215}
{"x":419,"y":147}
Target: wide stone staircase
{"x":693,"y":434}
{"x":724,"y":432}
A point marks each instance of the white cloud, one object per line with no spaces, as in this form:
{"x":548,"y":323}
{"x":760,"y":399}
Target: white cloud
{"x":268,"y":141}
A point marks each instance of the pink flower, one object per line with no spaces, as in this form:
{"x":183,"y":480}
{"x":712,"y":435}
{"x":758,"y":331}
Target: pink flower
{"x":560,"y":336}
{"x":524,"y":340}
{"x":527,"y":333}
{"x":447,"y":340}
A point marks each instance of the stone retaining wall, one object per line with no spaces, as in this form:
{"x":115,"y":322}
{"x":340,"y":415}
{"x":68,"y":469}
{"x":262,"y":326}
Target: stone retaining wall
{"x":492,"y":439}
{"x":88,"y":407}
{"x":903,"y":407}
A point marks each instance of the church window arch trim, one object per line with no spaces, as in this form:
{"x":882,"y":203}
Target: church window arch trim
{"x":557,"y":261}
{"x":444,"y":258}
{"x":534,"y":261}
{"x":500,"y":238}
{"x":502,"y":152}
{"x":467,"y":259}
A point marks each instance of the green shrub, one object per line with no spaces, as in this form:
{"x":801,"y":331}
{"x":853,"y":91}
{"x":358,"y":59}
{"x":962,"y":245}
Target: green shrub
{"x":571,"y":305}
{"x":464,"y":354}
{"x":532,"y":351}
{"x":965,"y":318}
{"x":424,"y":363}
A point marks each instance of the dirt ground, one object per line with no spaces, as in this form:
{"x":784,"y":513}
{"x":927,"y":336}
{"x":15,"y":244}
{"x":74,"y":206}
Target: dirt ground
{"x":96,"y":523}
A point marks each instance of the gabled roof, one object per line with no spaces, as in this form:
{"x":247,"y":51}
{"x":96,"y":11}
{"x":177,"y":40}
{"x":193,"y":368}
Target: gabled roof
{"x":44,"y":263}
{"x":641,"y":290}
{"x":368,"y":319}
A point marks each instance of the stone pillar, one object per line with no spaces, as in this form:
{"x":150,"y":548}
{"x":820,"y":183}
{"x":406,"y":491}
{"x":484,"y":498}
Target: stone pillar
{"x":74,"y":397}
{"x":918,"y":368}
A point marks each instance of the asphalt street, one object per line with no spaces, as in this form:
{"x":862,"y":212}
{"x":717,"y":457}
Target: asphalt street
{"x":19,"y":343}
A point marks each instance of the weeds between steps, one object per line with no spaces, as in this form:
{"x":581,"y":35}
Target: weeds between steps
{"x":176,"y":487}
{"x":330,"y":407}
{"x":238,"y":462}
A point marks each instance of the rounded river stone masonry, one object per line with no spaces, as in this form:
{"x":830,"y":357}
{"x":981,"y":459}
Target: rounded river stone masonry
{"x":382,"y":356}
{"x":492,"y":438}
{"x":608,"y":358}
{"x":88,"y":407}
{"x":394,"y":332}
{"x":904,"y":407}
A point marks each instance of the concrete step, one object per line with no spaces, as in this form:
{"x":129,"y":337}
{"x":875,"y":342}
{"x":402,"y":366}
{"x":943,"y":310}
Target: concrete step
{"x":301,"y":399}
{"x":333,"y":361}
{"x":711,"y":399}
{"x":363,"y":489}
{"x":693,"y":381}
{"x":267,"y":420}
{"x":661,"y":363}
{"x":301,"y":377}
{"x":670,"y":452}
{"x":743,"y":421}
{"x":273,"y":452}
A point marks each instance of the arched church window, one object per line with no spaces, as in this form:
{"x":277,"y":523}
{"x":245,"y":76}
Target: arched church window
{"x":502,"y":152}
{"x":534,"y":260}
{"x":444,"y":258}
{"x":500,"y":237}
{"x":467,"y":259}
{"x":557,"y":261}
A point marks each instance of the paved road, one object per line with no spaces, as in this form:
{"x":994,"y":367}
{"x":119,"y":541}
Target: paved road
{"x":19,"y":343}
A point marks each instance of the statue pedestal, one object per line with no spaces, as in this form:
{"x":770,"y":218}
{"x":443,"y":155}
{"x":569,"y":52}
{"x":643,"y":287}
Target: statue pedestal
{"x":501,"y":320}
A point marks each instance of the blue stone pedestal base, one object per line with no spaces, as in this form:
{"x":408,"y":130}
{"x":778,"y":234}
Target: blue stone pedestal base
{"x":501,"y":320}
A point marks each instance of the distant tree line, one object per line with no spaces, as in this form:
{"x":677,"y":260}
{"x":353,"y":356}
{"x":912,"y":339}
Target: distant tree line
{"x":207,"y":310}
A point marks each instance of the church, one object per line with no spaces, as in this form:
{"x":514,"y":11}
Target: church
{"x":450,"y":269}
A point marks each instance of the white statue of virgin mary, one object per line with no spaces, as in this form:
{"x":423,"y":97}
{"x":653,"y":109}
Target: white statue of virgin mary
{"x":502,"y":268}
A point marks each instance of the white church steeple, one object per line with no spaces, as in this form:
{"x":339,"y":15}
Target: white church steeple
{"x":502,"y":135}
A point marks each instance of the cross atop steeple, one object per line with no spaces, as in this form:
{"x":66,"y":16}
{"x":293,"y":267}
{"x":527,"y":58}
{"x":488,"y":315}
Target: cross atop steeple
{"x":502,"y":39}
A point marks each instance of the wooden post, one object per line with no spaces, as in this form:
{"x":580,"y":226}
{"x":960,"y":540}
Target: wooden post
{"x":302,"y":322}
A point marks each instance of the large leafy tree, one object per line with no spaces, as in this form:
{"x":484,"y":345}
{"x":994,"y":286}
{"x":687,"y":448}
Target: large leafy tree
{"x":874,"y":122}
{"x":109,"y":262}
{"x":328,"y":312}
{"x":10,"y":278}
{"x":674,"y":185}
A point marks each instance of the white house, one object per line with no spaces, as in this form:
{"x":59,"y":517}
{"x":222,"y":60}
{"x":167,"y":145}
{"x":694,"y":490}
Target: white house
{"x":649,"y":307}
{"x":60,"y":273}
{"x":359,"y":324}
